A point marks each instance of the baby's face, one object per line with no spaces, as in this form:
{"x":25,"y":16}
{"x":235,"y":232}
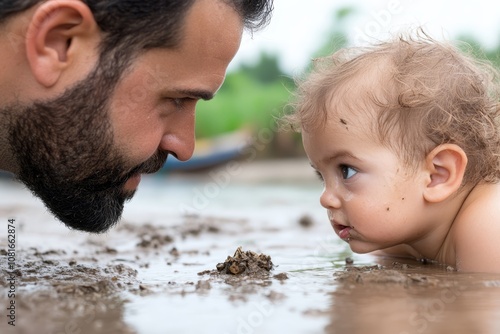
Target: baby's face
{"x":373,"y":201}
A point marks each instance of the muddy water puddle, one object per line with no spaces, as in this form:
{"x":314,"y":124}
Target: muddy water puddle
{"x":157,"y":271}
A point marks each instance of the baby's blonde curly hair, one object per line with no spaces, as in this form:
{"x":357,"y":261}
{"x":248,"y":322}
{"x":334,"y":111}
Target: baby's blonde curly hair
{"x":426,"y":93}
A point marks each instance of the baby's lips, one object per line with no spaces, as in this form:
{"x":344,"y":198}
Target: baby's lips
{"x":345,"y":232}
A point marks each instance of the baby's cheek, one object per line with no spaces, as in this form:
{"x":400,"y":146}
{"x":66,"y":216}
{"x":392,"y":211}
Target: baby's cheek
{"x":347,"y":196}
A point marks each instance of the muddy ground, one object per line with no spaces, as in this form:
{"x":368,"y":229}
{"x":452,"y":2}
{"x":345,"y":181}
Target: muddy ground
{"x":162,"y":270}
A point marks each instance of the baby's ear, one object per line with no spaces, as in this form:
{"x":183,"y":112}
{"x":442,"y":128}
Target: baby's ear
{"x":446,"y":167}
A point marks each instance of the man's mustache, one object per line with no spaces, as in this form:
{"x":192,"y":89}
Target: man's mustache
{"x":152,"y":165}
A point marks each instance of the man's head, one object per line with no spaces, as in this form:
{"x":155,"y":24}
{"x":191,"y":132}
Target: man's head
{"x":103,"y":91}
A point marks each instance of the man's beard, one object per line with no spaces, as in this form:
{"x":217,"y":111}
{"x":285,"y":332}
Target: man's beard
{"x":66,"y":155}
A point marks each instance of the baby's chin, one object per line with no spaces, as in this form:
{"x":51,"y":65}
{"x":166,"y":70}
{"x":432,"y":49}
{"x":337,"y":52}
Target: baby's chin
{"x":363,"y":247}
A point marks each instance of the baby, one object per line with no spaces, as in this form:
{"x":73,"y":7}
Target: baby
{"x":405,"y":136}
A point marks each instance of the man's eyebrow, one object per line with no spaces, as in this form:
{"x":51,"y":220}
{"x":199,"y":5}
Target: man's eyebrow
{"x":197,"y":94}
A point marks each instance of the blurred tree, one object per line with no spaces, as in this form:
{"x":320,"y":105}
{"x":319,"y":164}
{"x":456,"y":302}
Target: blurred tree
{"x":243,"y":102}
{"x":252,"y":97}
{"x":336,"y":36}
{"x":266,"y":70}
{"x":474,"y":46}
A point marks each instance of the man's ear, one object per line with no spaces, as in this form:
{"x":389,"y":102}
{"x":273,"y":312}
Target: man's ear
{"x":56,"y":28}
{"x":446,"y":166}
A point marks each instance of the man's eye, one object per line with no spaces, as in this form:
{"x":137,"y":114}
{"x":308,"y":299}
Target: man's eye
{"x":181,"y":103}
{"x":347,"y":172}
{"x":177,"y":103}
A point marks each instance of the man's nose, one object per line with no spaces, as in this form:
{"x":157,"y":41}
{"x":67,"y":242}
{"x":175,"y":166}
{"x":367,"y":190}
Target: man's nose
{"x":179,"y":137}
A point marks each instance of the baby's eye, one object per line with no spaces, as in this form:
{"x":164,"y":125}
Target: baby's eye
{"x":347,"y":171}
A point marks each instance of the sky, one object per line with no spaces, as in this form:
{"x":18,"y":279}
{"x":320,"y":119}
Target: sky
{"x":300,"y":27}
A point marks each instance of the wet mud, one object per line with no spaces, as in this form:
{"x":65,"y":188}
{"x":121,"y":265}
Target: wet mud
{"x":272,"y":266}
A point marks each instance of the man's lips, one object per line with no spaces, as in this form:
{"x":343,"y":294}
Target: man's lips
{"x":152,"y":165}
{"x":132,"y":183}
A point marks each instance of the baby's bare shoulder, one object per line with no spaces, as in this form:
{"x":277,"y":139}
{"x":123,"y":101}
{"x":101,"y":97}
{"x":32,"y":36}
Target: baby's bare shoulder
{"x":477,"y":230}
{"x":483,"y":201}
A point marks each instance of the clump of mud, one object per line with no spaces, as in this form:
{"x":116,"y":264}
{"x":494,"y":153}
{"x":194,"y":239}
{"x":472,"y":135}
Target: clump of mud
{"x":246,"y":271}
{"x":246,"y":263}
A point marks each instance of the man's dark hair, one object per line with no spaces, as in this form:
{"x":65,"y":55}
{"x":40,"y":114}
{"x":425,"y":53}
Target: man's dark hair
{"x":133,"y":26}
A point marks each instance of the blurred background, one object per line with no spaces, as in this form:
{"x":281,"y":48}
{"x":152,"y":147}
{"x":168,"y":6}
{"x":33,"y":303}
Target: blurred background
{"x":260,"y":80}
